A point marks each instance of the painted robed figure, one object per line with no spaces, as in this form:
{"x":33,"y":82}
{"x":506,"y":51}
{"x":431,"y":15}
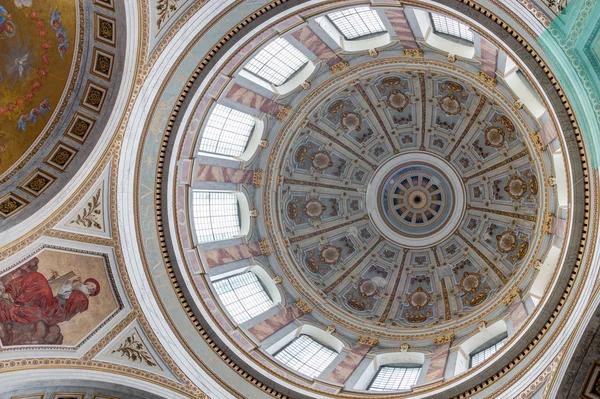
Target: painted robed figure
{"x":29,"y":302}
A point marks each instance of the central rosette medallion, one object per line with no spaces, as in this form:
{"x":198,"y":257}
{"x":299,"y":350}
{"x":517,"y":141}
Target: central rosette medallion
{"x":416,"y":199}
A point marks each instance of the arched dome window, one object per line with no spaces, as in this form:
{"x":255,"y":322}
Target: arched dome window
{"x":392,"y":371}
{"x":395,"y":378}
{"x":355,"y":29}
{"x":219,"y":215}
{"x":227,"y":132}
{"x":451,"y":27}
{"x":485,"y":351}
{"x":277,"y":62}
{"x":243,"y":295}
{"x":357,"y":22}
{"x":306,"y":356}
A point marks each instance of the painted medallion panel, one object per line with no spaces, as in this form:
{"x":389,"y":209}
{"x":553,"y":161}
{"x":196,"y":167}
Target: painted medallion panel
{"x":37,"y":41}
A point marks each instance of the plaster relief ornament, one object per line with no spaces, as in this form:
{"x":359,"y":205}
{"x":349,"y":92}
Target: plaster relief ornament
{"x":470,"y":282}
{"x":450,"y":104}
{"x":330,"y":254}
{"x":351,"y":121}
{"x":367,"y":288}
{"x":397,"y":100}
{"x":419,"y":298}
{"x":507,"y":241}
{"x":314,"y":208}
{"x":494,"y":137}
{"x":321,"y":160}
{"x":516,"y":187}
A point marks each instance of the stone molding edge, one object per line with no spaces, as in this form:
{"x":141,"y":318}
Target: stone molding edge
{"x":532,"y":52}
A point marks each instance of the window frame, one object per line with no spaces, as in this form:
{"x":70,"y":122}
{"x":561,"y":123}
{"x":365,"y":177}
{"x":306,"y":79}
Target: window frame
{"x":216,"y":236}
{"x":492,"y":343}
{"x":234,"y":290}
{"x":460,"y":39}
{"x":360,"y":37}
{"x":275,"y":56}
{"x":230,"y":127}
{"x":395,"y":366}
{"x":314,"y":341}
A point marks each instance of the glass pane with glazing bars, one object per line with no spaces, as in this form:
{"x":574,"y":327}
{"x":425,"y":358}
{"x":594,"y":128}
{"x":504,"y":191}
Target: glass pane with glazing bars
{"x":395,"y":378}
{"x":306,"y":356}
{"x":451,"y":27}
{"x":357,"y":22}
{"x":227,"y":131}
{"x":216,"y":216}
{"x":277,"y":62}
{"x":243,"y":296}
{"x":482,"y":356}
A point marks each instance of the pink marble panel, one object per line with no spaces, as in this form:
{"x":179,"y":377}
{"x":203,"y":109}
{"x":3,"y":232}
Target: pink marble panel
{"x":402,"y":28}
{"x":312,"y":42}
{"x":221,"y":256}
{"x":185,"y":171}
{"x":217,"y":85}
{"x":438,"y":362}
{"x":242,"y":340}
{"x":193,"y":260}
{"x":182,"y":216}
{"x":221,"y":174}
{"x":288,"y":22}
{"x":518,"y":313}
{"x":343,"y":370}
{"x":276,"y":322}
{"x":489,"y":57}
{"x":548,"y":132}
{"x":253,"y":100}
{"x":559,"y":226}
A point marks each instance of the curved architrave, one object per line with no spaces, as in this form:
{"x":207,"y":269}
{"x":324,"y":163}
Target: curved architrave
{"x":77,"y":379}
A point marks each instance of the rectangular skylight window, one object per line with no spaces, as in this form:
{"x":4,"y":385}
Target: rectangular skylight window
{"x":451,"y":27}
{"x":226,"y":132}
{"x":306,"y":356}
{"x":216,"y":216}
{"x":482,"y":356}
{"x":277,"y":62}
{"x":243,"y":295}
{"x":395,"y":378}
{"x":357,"y":22}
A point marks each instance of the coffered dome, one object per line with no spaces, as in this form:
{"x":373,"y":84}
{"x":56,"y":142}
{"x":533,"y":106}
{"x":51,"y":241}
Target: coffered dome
{"x":405,"y":196}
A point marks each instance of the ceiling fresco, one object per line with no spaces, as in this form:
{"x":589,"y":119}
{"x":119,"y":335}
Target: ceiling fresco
{"x":37,"y":42}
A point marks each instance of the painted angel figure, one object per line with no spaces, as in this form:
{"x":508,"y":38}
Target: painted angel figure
{"x":44,"y":106}
{"x":23,"y":121}
{"x":6,"y":26}
{"x":55,"y":19}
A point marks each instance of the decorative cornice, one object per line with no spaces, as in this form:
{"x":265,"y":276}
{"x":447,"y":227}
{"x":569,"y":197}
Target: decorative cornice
{"x":413,"y":52}
{"x":257,"y":177}
{"x":443,"y":338}
{"x":512,"y":295}
{"x":265,"y":248}
{"x":283,"y":113}
{"x":340,"y":66}
{"x":487,"y":79}
{"x":303,"y":306}
{"x":366,"y":340}
{"x":547,"y":223}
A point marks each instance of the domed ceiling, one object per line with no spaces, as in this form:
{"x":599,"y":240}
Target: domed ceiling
{"x":57,"y":89}
{"x":407,"y":196}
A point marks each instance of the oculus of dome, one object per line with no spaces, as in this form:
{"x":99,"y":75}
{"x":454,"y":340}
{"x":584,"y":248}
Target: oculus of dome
{"x":416,"y":199}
